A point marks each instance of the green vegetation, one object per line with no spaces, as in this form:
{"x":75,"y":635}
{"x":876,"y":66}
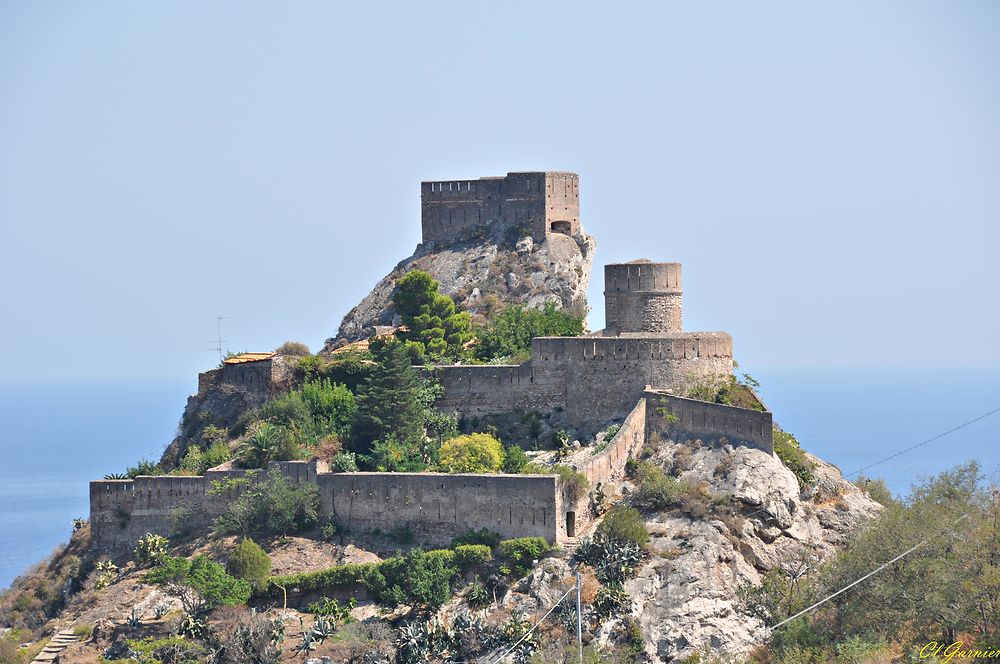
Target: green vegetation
{"x":623,"y":524}
{"x":197,"y":459}
{"x":483,"y":536}
{"x":150,"y":549}
{"x":144,"y":467}
{"x":272,"y":507}
{"x":790,"y":452}
{"x":657,"y":490}
{"x":293,"y":349}
{"x":299,"y":421}
{"x":152,"y":650}
{"x":416,"y":579}
{"x":435,"y":330}
{"x":199,"y":583}
{"x":251,"y":563}
{"x":470,"y":556}
{"x":391,"y":403}
{"x":728,"y":390}
{"x":514,"y":460}
{"x":507,"y":336}
{"x":946,"y":590}
{"x":473,"y":453}
{"x":266,"y":443}
{"x":522,"y":551}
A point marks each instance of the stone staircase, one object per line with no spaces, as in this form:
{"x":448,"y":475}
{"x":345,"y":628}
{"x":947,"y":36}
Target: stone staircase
{"x":50,"y":653}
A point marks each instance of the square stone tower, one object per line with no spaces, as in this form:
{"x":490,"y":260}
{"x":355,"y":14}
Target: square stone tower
{"x":537,"y":203}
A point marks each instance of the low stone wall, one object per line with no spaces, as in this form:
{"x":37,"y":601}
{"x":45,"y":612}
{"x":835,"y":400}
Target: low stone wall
{"x":436,"y":507}
{"x":681,"y":419}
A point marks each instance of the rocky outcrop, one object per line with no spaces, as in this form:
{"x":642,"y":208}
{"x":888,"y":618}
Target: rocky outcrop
{"x":482,"y":276}
{"x":685,"y":595}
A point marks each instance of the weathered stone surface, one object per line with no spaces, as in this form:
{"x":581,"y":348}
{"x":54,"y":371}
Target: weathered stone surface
{"x":557,"y":270}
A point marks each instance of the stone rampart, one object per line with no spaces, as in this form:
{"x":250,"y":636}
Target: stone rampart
{"x":678,"y":418}
{"x":436,"y":507}
{"x":594,"y":379}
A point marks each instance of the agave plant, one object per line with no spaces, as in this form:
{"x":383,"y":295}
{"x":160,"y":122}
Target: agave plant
{"x":160,"y":610}
{"x":116,"y":476}
{"x":322,"y":629}
{"x":307,"y":643}
{"x":133,"y":621}
{"x":191,"y":626}
{"x":587,"y":551}
{"x":618,"y":561}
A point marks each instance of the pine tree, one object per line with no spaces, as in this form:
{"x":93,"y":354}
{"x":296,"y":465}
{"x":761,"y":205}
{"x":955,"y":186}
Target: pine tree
{"x":389,"y":402}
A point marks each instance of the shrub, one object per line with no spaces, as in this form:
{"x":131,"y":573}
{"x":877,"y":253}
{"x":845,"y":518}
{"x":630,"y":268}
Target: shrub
{"x":790,"y":452}
{"x":624,"y":524}
{"x":144,"y":467}
{"x":514,"y":460}
{"x":416,"y":579}
{"x":247,"y":637}
{"x":573,"y":482}
{"x":150,"y":549}
{"x":484,"y":536}
{"x":657,"y":490}
{"x":273,"y":507}
{"x":251,"y":563}
{"x":478,"y":596}
{"x":344,"y":462}
{"x":474,"y":453}
{"x":366,"y":575}
{"x":523,"y":551}
{"x":170,"y":649}
{"x":469,"y":556}
{"x":199,"y":583}
{"x":612,"y":600}
{"x":293,"y":348}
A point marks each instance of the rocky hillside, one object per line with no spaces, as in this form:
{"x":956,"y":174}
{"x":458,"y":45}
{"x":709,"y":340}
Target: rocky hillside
{"x":744,"y":516}
{"x":482,"y":274}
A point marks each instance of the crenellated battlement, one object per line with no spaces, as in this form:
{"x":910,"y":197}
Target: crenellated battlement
{"x":536,"y":203}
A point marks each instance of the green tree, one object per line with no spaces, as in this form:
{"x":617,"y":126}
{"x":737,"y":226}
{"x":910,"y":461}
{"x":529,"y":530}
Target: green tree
{"x":435,"y":328}
{"x":509,"y":333}
{"x":390,"y":401}
{"x":200,"y":584}
{"x":265,"y":444}
{"x":473,"y":453}
{"x":251,"y":563}
{"x":514,"y":460}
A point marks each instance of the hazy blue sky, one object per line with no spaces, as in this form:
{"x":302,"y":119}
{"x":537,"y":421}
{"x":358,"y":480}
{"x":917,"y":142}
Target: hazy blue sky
{"x":828,"y":173}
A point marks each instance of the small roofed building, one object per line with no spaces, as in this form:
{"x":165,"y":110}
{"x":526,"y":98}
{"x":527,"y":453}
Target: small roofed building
{"x":259,"y":375}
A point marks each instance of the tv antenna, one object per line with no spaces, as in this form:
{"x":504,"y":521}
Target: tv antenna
{"x":218,"y":341}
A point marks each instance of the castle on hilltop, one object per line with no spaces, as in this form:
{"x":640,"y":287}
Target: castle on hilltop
{"x":632,"y":373}
{"x":540,"y":203}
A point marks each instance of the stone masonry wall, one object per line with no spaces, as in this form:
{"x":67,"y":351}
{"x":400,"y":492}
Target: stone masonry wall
{"x":682,"y":419}
{"x":541,"y":203}
{"x":437,"y":507}
{"x":595,"y":379}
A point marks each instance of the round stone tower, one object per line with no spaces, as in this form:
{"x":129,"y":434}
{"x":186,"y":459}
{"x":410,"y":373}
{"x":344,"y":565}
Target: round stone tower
{"x":642,"y":297}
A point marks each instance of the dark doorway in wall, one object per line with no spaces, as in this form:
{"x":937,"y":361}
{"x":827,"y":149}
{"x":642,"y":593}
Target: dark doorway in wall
{"x":563,"y":227}
{"x":570,"y":524}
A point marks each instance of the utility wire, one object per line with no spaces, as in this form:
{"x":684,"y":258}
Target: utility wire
{"x":528,"y":633}
{"x":929,"y":440}
{"x":877,"y":569}
{"x":902,"y":452}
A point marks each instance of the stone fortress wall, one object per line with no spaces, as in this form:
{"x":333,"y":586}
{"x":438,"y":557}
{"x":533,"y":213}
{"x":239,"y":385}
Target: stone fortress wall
{"x":541,"y":203}
{"x":600,"y":377}
{"x":436,"y":507}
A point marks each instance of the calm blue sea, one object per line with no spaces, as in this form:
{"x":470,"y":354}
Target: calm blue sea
{"x":55,"y":438}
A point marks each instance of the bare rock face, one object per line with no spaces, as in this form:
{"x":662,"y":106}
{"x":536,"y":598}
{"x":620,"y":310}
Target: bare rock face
{"x":483,"y":276}
{"x":685,"y":595}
